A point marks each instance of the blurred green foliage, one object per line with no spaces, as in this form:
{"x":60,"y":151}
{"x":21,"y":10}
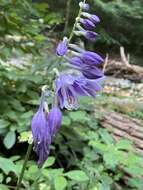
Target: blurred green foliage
{"x":83,"y":156}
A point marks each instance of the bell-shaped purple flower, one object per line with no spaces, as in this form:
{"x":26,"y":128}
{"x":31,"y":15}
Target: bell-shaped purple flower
{"x":87,"y":87}
{"x":92,"y":72}
{"x":65,"y":93}
{"x":54,"y":120}
{"x":84,"y":6}
{"x":62,"y":48}
{"x":88,"y":70}
{"x":41,"y":134}
{"x":88,"y":24}
{"x":91,"y":58}
{"x":94,"y":18}
{"x":89,"y":35}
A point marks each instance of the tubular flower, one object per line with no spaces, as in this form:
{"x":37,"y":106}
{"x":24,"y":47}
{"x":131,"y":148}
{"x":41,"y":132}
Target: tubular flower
{"x":54,"y":120}
{"x":88,"y":24}
{"x":84,"y":6}
{"x":89,"y":71}
{"x":89,"y":35}
{"x":94,"y":18}
{"x":91,"y":58}
{"x":92,"y":72}
{"x":41,"y":134}
{"x":87,"y":87}
{"x":65,"y":92}
{"x":62,"y":48}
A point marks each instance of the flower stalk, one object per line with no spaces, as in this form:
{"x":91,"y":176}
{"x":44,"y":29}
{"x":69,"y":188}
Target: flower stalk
{"x":24,"y":165}
{"x":76,"y":22}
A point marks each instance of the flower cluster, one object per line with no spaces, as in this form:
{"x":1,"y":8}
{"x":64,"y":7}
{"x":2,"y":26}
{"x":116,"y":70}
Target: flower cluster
{"x":44,"y":126}
{"x":68,"y":87}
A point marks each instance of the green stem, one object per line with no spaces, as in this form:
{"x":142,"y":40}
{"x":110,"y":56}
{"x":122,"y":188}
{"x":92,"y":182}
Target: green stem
{"x":24,"y":166}
{"x":74,"y":26}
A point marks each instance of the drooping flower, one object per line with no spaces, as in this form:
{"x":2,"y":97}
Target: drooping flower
{"x":90,"y":35}
{"x":88,"y":24}
{"x":88,"y":70}
{"x":62,"y":48}
{"x":41,"y":134}
{"x":54,"y":120}
{"x":87,"y":87}
{"x":65,"y":92}
{"x":91,"y":58}
{"x":84,"y":6}
{"x":94,"y":18}
{"x":92,"y":72}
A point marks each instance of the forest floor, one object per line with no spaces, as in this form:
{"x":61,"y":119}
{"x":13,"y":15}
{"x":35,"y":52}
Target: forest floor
{"x":121,"y":103}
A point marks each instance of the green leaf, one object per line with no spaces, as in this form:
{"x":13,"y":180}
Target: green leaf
{"x":6,"y":165}
{"x":77,"y":175}
{"x":124,"y":144}
{"x":60,"y":183}
{"x":9,"y":139}
{"x":66,"y":121}
{"x":110,"y":159}
{"x":136,"y":182}
{"x":79,"y":116}
{"x":3,"y":187}
{"x":106,"y":137}
{"x":3,"y":123}
{"x":49,"y":162}
{"x":1,"y":177}
{"x":135,"y":170}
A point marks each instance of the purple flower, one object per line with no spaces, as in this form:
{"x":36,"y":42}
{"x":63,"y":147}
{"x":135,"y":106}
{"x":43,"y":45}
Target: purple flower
{"x":95,"y":19}
{"x":87,"y":87}
{"x":88,"y":24}
{"x":84,"y":6}
{"x":62,"y":48}
{"x":41,"y":134}
{"x":54,"y":120}
{"x":88,"y":70}
{"x":90,"y":35}
{"x":91,"y":58}
{"x":65,"y":92}
{"x":70,"y":87}
{"x":92,"y":72}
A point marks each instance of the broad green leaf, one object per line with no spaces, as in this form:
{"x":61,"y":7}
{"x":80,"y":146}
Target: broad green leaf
{"x":135,"y":170}
{"x":4,"y":123}
{"x":106,"y":137}
{"x":124,"y":145}
{"x":52,"y":173}
{"x":4,"y":187}
{"x":66,"y":121}
{"x":60,"y":183}
{"x":49,"y":162}
{"x":110,"y":159}
{"x":79,"y":116}
{"x":136,"y":182}
{"x":77,"y":175}
{"x":9,"y":139}
{"x":6,"y":165}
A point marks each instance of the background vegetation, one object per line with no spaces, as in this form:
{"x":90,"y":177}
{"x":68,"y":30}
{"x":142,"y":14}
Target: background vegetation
{"x":84,"y":156}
